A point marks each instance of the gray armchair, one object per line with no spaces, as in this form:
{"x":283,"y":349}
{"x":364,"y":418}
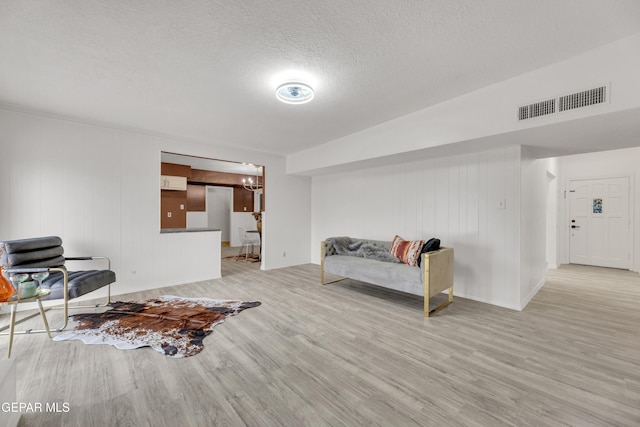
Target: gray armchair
{"x":47,"y":254}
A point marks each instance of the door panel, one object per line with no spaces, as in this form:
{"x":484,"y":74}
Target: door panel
{"x":599,"y":222}
{"x":577,"y":234}
{"x":596,"y":237}
{"x":618,"y":253}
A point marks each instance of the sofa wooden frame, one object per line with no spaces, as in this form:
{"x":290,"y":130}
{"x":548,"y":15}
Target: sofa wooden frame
{"x":438,"y":275}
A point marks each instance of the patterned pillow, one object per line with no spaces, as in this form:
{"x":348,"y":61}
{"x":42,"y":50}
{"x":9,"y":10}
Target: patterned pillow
{"x":407,"y":250}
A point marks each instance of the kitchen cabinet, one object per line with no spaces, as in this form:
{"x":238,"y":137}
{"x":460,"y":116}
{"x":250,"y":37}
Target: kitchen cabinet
{"x":196,"y":198}
{"x":242,"y":200}
{"x":169,"y":182}
{"x":172,"y":209}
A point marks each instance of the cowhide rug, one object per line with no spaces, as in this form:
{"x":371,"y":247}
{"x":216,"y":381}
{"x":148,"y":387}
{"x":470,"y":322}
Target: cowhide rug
{"x":244,"y":258}
{"x":172,"y":325}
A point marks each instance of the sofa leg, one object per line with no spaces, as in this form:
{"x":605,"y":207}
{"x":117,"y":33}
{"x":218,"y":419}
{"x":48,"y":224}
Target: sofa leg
{"x":322,"y":281}
{"x":438,"y":308}
{"x":428,"y":312}
{"x":332,"y":281}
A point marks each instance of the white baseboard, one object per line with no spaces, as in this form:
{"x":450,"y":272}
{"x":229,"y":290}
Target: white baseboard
{"x":533,"y":293}
{"x":487,"y":301}
{"x":501,"y":304}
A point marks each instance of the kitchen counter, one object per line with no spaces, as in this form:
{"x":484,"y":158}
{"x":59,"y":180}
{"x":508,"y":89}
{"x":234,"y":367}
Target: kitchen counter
{"x":190,"y":254}
{"x":186,"y":230}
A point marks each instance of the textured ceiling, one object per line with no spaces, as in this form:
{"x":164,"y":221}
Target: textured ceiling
{"x":207,"y":69}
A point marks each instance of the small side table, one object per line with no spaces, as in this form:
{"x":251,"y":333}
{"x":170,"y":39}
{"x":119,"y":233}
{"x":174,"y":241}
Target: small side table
{"x":13,"y":303}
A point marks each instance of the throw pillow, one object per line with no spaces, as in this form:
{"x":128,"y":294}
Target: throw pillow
{"x":407,"y":250}
{"x":432,"y":244}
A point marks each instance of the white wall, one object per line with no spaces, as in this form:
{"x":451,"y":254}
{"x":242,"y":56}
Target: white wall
{"x":604,"y":164}
{"x":97,"y":187}
{"x":197,"y":220}
{"x":552,"y":212}
{"x":533,"y":225}
{"x":454,"y":198}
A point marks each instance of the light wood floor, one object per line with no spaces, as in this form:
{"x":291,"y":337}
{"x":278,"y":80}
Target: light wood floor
{"x":353,"y":354}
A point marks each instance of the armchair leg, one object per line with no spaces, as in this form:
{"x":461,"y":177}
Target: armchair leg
{"x":44,"y":318}
{"x":66,"y":308}
{"x":42,"y":312}
{"x":12,"y":326}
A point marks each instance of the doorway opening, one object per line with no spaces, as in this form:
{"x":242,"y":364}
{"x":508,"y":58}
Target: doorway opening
{"x":205,"y":193}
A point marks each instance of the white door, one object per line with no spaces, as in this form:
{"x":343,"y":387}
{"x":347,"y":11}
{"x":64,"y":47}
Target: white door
{"x":599,"y":222}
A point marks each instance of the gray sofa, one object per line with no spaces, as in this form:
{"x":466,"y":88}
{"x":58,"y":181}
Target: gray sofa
{"x":370,"y":261}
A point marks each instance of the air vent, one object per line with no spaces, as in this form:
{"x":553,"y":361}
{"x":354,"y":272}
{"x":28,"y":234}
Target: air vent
{"x":564,"y":103}
{"x":536,"y":110}
{"x":583,"y":99}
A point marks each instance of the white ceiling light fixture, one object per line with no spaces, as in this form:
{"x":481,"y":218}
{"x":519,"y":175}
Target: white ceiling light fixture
{"x":294,"y":93}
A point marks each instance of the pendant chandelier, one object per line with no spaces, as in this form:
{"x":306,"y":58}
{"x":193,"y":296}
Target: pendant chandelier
{"x":251,"y":185}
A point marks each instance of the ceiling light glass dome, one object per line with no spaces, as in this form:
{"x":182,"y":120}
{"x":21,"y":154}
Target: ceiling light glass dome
{"x":294,"y":93}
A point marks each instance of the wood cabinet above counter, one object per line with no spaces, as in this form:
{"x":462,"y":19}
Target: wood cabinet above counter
{"x":174,"y":176}
{"x":169,"y":182}
{"x":242,"y":200}
{"x":196,"y":198}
